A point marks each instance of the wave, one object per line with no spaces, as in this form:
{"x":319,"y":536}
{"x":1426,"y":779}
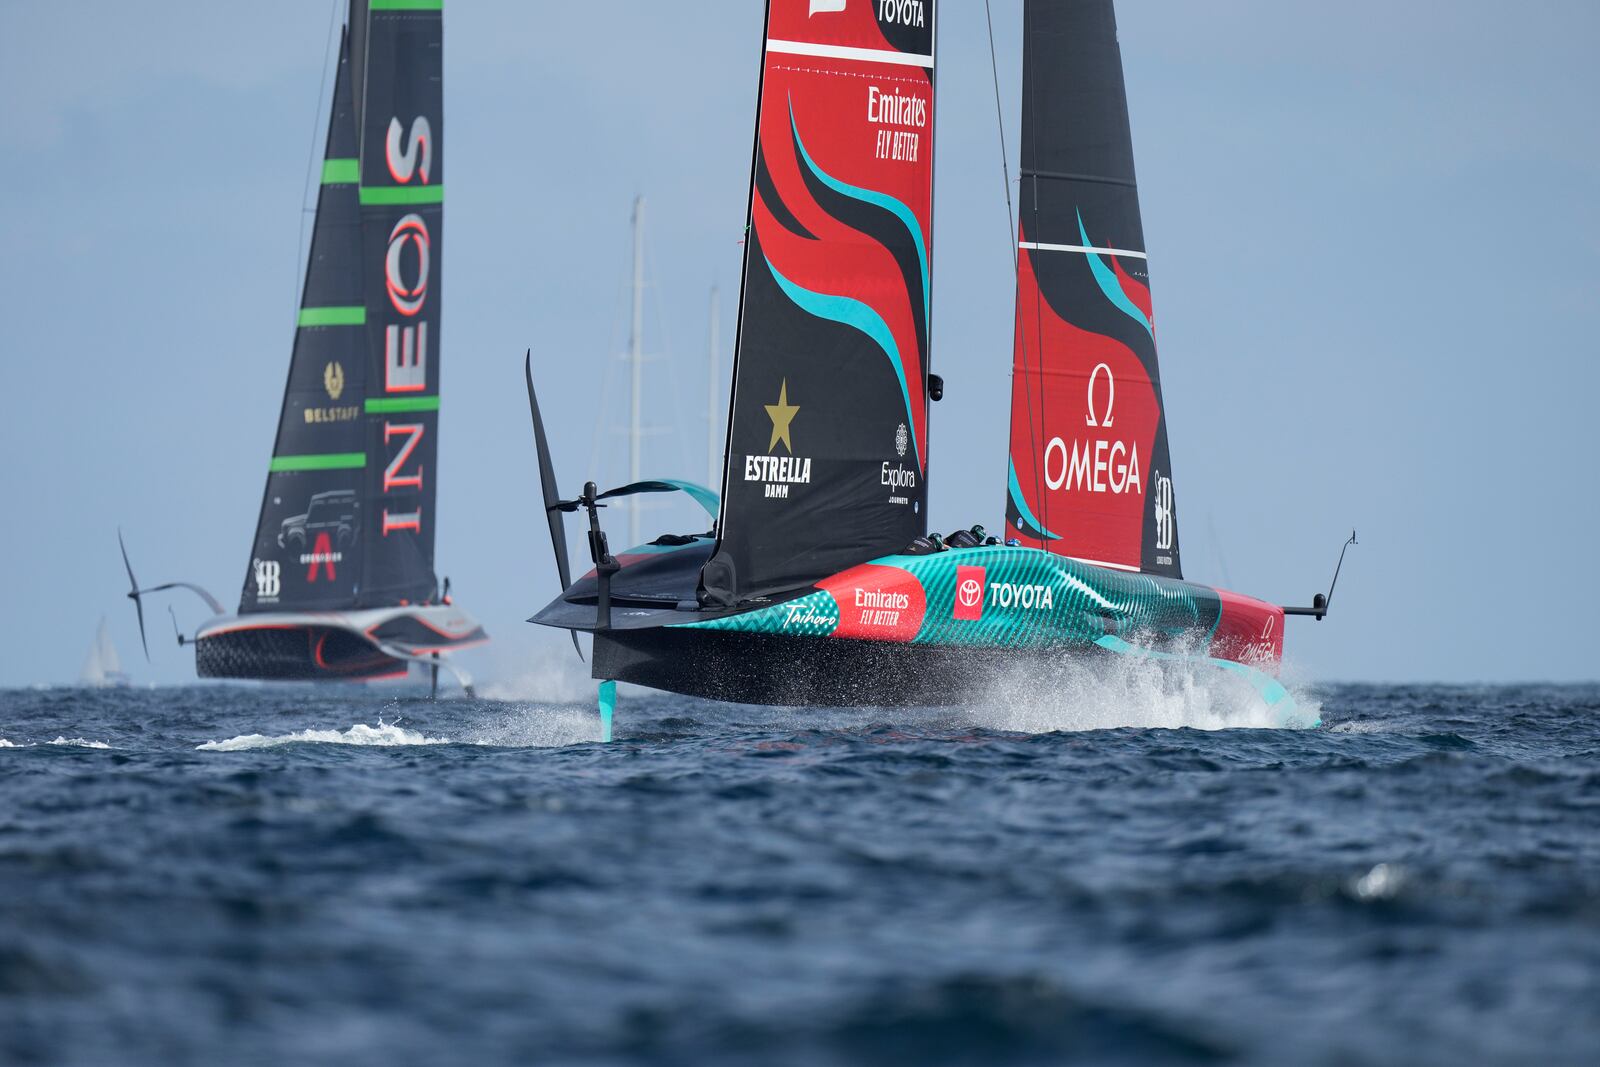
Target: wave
{"x":77,"y":742}
{"x":7,"y":744}
{"x":383,"y":735}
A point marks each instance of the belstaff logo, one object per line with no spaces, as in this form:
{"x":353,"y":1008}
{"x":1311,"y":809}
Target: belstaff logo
{"x":269,"y":579}
{"x":333,"y":379}
{"x":333,"y":385}
{"x":969,"y":594}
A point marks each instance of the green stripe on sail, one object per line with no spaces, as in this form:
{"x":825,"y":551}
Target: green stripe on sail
{"x":341,"y":171}
{"x":390,"y":405}
{"x":328,"y":461}
{"x":385,"y":195}
{"x":340,"y":316}
{"x":407,"y":5}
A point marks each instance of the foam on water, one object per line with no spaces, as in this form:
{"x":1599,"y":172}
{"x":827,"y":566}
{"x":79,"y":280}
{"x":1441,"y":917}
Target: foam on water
{"x":1122,"y":692}
{"x":383,"y":735}
{"x":78,"y":742}
{"x":7,"y":744}
{"x":538,"y":726}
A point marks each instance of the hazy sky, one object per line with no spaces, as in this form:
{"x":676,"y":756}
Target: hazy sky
{"x":1374,"y":231}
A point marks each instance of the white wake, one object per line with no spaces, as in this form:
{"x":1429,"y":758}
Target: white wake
{"x":1126,"y":692}
{"x":383,"y":735}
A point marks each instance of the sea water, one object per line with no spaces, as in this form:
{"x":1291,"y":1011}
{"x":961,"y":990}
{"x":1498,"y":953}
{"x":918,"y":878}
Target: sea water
{"x":1136,"y":871}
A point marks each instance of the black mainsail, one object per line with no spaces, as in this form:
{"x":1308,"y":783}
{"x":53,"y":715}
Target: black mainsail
{"x":1090,"y":473}
{"x":347,"y":516}
{"x":827,"y":458}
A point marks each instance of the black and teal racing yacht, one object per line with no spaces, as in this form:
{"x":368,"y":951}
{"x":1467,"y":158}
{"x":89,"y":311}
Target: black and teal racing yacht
{"x":816,"y":584}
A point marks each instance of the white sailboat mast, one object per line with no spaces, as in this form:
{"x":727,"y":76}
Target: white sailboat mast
{"x":636,"y":358}
{"x":713,"y":452}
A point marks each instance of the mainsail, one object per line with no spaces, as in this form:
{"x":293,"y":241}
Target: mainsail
{"x":102,"y":666}
{"x":1090,"y":475}
{"x":347,"y":515}
{"x":827,"y":457}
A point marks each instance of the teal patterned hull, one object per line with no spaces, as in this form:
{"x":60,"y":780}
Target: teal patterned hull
{"x":991,"y":597}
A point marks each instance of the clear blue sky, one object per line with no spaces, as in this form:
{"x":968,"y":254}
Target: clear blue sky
{"x":1375,"y":246}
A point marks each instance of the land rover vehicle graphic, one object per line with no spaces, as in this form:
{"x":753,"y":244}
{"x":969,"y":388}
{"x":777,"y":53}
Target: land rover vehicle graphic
{"x":336,"y":513}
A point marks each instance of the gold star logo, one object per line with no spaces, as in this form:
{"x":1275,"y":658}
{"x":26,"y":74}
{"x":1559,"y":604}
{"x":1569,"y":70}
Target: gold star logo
{"x":782,"y":414}
{"x":333,"y":379}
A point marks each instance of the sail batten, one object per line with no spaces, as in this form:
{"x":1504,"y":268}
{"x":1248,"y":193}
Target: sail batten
{"x":826,"y":464}
{"x":1090,"y":473}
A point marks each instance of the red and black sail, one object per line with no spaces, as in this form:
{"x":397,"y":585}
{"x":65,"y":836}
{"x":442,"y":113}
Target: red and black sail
{"x":827,"y":460}
{"x":1090,"y":473}
{"x":347,"y":516}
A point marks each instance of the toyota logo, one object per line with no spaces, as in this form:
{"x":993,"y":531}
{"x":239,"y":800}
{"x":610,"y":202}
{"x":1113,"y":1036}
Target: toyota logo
{"x":970,"y":593}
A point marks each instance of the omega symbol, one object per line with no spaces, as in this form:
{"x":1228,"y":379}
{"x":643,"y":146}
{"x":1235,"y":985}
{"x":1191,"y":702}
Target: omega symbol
{"x":1111,"y":396}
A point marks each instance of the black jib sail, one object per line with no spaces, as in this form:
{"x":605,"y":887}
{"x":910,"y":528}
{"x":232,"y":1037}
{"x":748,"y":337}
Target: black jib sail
{"x":347,"y":516}
{"x":827,"y":458}
{"x":1090,"y":475}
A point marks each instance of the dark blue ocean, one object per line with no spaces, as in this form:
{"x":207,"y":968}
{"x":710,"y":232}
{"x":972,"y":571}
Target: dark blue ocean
{"x":221,"y":875}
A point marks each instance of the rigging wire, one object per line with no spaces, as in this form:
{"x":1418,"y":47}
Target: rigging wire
{"x":300,"y":251}
{"x":1014,"y":236}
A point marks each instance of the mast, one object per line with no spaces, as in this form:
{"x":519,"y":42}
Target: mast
{"x":713,"y":457}
{"x":636,"y":361}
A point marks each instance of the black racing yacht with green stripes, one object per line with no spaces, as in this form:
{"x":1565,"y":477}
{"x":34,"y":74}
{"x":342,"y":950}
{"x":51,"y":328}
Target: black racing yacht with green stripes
{"x":340,"y":582}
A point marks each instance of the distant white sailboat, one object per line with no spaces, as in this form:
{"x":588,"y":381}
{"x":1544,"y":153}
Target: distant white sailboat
{"x":102,"y":667}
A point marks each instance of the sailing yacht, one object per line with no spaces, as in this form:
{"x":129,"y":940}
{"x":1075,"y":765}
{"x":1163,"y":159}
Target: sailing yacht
{"x":818,"y":584}
{"x":102,"y":667}
{"x":340,"y":582}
